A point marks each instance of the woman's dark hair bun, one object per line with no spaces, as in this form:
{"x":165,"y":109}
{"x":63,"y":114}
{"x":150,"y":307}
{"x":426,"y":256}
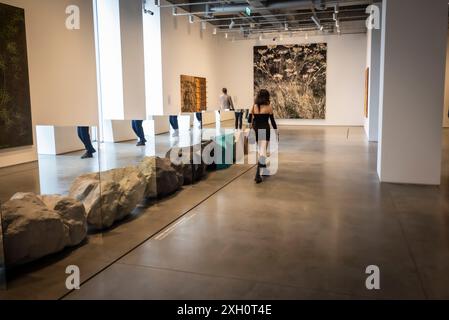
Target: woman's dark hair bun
{"x":263,"y":98}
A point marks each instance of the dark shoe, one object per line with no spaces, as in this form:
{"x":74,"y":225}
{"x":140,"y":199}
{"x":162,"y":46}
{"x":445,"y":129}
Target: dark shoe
{"x":87,"y":155}
{"x":258,"y":179}
{"x":140,"y":144}
{"x":261,"y":165}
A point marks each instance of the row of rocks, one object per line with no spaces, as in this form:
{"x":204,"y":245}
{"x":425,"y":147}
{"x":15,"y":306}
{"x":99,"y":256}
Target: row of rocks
{"x":36,"y":226}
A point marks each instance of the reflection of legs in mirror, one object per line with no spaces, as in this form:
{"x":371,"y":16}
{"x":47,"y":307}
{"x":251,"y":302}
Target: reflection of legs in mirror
{"x":175,"y":125}
{"x":138,"y":130}
{"x":84,"y":135}
{"x":199,"y":117}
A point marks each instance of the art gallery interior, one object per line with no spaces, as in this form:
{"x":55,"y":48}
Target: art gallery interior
{"x":359,"y":164}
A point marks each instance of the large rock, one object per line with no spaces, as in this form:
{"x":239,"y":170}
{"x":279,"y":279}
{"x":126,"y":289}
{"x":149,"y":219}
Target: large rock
{"x":189,"y":163}
{"x":109,"y":196}
{"x":161,"y":178}
{"x":32,"y":230}
{"x":72,"y":213}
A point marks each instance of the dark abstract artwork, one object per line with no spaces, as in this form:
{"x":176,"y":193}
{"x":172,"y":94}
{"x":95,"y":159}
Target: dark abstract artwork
{"x":15,"y":107}
{"x":295,"y":76}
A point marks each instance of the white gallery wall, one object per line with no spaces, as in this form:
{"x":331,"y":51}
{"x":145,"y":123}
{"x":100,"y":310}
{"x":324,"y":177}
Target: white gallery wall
{"x":188,"y":50}
{"x":345,"y":76}
{"x":62,"y":69}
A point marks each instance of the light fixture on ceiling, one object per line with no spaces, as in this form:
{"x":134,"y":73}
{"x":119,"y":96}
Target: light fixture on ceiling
{"x":317,"y":22}
{"x":307,"y":36}
{"x":191,"y":19}
{"x":174,"y":11}
{"x":232,"y":24}
{"x":286,"y":26}
{"x":226,"y":35}
{"x":203,"y":25}
{"x":261,"y":37}
{"x":215,"y":31}
{"x":252,"y":25}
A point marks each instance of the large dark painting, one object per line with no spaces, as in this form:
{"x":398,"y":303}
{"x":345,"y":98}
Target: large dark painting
{"x":295,"y":76}
{"x":15,"y":107}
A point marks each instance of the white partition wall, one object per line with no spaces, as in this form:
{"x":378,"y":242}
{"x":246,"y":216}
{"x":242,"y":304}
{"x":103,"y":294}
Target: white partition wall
{"x":121,"y":59}
{"x":374,"y":38}
{"x":413,"y":57}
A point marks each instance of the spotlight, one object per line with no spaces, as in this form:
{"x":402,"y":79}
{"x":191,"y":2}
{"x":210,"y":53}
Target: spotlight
{"x":307,"y":36}
{"x":175,"y":11}
{"x":191,"y":19}
{"x":215,"y":31}
{"x":286,"y":26}
{"x":203,"y":25}
{"x":261,"y":37}
{"x":226,"y":35}
{"x":232,"y":24}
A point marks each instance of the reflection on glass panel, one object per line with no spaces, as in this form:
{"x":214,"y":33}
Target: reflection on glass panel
{"x":43,"y":209}
{"x":2,"y":255}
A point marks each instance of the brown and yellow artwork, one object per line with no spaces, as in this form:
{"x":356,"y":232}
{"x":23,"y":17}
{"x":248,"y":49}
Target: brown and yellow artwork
{"x":193,"y":94}
{"x":366,"y":92}
{"x":295,"y":76}
{"x":15,"y":107}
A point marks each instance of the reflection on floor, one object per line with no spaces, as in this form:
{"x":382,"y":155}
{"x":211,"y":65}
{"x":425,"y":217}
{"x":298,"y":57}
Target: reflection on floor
{"x":308,"y":232}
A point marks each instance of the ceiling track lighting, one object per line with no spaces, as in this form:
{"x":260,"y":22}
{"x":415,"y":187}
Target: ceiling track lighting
{"x":317,"y":22}
{"x":191,"y":19}
{"x":232,"y":24}
{"x":174,"y":11}
{"x":145,"y":10}
{"x":286,"y":26}
{"x":226,"y":35}
{"x":203,"y":25}
{"x":215,"y":31}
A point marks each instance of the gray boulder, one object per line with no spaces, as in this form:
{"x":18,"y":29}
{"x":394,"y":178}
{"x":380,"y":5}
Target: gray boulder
{"x":72,"y":213}
{"x":161,"y":178}
{"x":32,"y":230}
{"x":109,"y":196}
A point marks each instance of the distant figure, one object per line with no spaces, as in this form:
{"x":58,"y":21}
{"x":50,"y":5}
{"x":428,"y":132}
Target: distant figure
{"x":140,"y":133}
{"x":260,"y":115}
{"x":84,"y":135}
{"x":175,"y":125}
{"x":199,"y":117}
{"x":226,"y":101}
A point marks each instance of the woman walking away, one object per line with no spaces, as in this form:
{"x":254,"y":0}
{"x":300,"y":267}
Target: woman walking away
{"x":259,"y":118}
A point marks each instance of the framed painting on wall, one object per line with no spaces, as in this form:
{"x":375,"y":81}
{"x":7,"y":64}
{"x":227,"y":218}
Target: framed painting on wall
{"x":295,"y":76}
{"x":15,"y":107}
{"x":193,"y":94}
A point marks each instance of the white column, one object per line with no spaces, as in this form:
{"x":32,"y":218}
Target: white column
{"x":374,"y":38}
{"x":413,"y":56}
{"x":133,"y":62}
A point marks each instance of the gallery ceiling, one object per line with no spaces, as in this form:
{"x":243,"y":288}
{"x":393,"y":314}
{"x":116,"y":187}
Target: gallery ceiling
{"x":243,"y":19}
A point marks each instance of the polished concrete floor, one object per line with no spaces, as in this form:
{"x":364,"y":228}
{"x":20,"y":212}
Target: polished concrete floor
{"x":308,"y":232}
